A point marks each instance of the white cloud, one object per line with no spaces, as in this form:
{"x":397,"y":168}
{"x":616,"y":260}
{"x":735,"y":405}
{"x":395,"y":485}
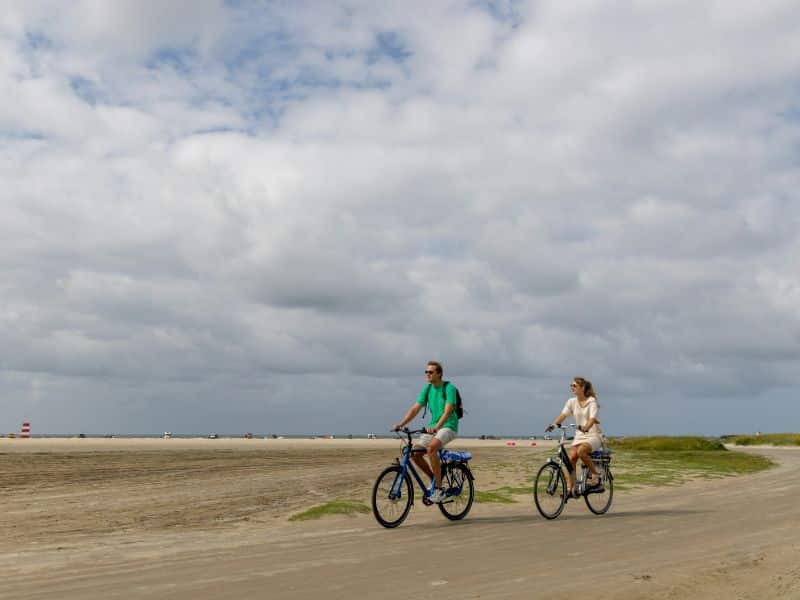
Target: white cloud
{"x":200,"y":197}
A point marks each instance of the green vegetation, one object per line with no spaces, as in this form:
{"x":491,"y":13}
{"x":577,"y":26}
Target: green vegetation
{"x":661,"y":460}
{"x":667,"y":444}
{"x":765,"y":439}
{"x":492,"y":496}
{"x":645,"y":462}
{"x":501,"y":495}
{"x":337,"y":507}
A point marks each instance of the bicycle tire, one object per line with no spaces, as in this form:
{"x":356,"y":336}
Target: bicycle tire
{"x":550,"y":491}
{"x":457,"y":506}
{"x":391,"y":511}
{"x":599,"y":503}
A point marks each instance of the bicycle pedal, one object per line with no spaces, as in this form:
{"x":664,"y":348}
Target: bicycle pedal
{"x":426,"y":502}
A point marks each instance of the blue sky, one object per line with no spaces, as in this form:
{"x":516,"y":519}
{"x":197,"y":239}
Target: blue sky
{"x":268,"y":216}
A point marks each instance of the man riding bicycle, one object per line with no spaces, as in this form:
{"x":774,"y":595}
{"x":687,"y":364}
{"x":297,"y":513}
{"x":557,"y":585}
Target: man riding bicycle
{"x":440,"y":399}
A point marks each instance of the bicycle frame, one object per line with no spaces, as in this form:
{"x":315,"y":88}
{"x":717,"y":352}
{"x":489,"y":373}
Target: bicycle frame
{"x":407,"y":465}
{"x":562,"y":459}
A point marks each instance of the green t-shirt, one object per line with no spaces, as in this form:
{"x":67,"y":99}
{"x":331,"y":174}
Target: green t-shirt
{"x":436,"y":402}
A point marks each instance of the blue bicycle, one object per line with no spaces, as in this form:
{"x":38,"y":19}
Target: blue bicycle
{"x":393,"y":493}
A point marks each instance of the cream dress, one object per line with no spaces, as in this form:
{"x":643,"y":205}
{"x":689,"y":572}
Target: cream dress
{"x":582,"y":414}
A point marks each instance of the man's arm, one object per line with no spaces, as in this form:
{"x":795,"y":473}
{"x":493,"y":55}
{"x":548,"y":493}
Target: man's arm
{"x":448,"y":410}
{"x":412,"y":412}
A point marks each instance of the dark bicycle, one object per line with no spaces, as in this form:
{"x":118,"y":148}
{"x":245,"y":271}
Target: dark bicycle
{"x":550,"y":487}
{"x":393,"y":493}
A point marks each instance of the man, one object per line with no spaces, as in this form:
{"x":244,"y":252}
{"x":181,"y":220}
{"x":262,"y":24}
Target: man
{"x":443,"y":426}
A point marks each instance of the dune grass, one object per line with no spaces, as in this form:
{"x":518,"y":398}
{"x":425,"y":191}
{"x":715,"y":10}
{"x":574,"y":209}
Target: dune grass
{"x":639,"y":462}
{"x":503,"y":495}
{"x":337,"y":507}
{"x":667,"y":444}
{"x":765,"y":439}
{"x":666,"y":460}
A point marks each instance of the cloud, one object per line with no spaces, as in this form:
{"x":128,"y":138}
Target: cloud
{"x":258,"y":205}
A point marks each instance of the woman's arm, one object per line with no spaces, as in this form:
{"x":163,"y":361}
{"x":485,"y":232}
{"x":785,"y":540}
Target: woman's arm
{"x":558,"y":420}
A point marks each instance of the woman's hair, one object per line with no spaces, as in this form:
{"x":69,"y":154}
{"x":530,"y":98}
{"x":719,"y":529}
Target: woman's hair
{"x":588,"y":390}
{"x":437,"y":366}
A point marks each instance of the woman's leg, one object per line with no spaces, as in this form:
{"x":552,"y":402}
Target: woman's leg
{"x":584,"y":451}
{"x":573,"y":458}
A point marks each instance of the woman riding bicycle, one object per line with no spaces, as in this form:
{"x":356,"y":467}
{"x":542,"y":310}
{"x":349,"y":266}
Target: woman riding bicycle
{"x":583,"y":406}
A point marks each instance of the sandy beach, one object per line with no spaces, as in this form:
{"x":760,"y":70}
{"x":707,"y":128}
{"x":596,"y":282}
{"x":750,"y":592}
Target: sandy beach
{"x":197,"y":518}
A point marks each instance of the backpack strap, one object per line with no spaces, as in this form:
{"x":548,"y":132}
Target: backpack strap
{"x":428,"y":396}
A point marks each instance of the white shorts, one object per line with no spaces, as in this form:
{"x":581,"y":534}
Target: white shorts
{"x":444,"y":435}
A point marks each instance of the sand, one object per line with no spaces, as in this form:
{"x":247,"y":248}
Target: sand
{"x":102,"y":518}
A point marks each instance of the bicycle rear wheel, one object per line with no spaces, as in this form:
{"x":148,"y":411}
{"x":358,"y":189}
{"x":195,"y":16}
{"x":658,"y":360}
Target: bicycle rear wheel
{"x":550,"y":490}
{"x":460,"y":492}
{"x":600,"y":502}
{"x":392,"y":496}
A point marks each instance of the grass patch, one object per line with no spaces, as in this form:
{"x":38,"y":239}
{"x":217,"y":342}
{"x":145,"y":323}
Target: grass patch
{"x":645,"y":468}
{"x":503,"y":495}
{"x":673,"y":460}
{"x":337,"y":507}
{"x":495,"y":497}
{"x":668,"y":444}
{"x":765,"y":439}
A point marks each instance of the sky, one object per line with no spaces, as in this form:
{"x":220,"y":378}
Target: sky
{"x":268,"y":216}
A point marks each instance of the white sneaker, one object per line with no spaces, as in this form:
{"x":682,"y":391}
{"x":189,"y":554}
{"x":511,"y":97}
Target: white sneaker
{"x":437,"y":496}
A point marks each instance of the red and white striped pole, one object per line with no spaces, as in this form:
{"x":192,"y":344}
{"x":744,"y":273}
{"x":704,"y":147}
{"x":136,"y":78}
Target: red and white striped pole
{"x":26,"y":430}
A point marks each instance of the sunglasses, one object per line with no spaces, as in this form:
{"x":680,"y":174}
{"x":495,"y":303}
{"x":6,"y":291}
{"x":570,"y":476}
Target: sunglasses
{"x":573,"y":385}
{"x":429,"y":372}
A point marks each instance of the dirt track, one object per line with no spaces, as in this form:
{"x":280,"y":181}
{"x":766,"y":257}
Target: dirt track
{"x":728,"y":538}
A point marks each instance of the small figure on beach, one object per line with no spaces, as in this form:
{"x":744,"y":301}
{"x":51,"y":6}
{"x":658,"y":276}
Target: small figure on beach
{"x":440,"y":398}
{"x":583,"y":406}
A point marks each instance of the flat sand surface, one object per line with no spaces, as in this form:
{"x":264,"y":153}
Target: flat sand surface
{"x":119,"y":518}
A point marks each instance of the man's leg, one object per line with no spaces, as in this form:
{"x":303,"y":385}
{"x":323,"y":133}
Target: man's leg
{"x":433,"y":456}
{"x":419,"y":460}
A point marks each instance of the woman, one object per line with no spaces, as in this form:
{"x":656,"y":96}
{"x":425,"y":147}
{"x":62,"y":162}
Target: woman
{"x":584,"y":408}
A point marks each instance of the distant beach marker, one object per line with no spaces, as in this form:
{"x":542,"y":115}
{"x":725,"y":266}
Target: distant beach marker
{"x":511,"y":443}
{"x":533,"y":443}
{"x":26,"y":430}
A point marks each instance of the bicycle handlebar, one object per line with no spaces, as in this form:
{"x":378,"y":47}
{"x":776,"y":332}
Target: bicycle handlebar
{"x":559,"y":426}
{"x":411,"y":431}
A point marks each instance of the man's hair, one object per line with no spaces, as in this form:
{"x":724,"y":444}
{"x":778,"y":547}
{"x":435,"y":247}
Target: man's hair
{"x":437,"y":366}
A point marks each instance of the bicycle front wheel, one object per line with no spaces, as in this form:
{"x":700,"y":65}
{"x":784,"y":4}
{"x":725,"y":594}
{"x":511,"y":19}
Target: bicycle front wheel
{"x":550,"y":491}
{"x":392,"y":496}
{"x":460,"y":492}
{"x":600,"y":502}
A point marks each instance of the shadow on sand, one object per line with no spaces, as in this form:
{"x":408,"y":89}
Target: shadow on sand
{"x":534,"y":516}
